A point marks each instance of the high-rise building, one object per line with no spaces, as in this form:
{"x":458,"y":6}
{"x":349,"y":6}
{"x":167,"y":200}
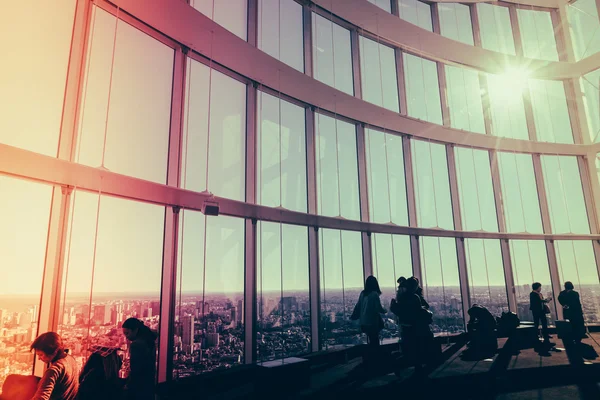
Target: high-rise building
{"x":187,"y":333}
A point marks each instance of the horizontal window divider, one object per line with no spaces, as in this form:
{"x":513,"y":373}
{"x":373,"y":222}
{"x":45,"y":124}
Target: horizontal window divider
{"x":49,"y":170}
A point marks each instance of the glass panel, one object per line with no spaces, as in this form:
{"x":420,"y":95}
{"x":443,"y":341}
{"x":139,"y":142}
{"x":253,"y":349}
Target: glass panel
{"x":283,"y":308}
{"x":422,"y":89}
{"x":441,"y":284}
{"x":507,"y":108}
{"x":416,"y":12}
{"x":386,"y":179}
{"x":476,"y":191}
{"x":391,"y":260}
{"x":337,"y":168}
{"x":585,"y":27}
{"x":565,"y":195}
{"x":432,"y":185}
{"x":129,"y":140}
{"x":281,"y":158}
{"x":487,"y":286}
{"x":231,"y":15}
{"x":332,"y":54}
{"x":209,"y":323}
{"x":36,"y":43}
{"x":464,"y":99}
{"x":215,"y":117}
{"x":590,"y":86}
{"x":577,"y":264}
{"x":113,"y":270}
{"x":537,"y":34}
{"x":383,"y":4}
{"x":282,"y":40}
{"x":530,"y":264}
{"x":519,"y":192}
{"x":378,"y":74}
{"x":550,"y":111}
{"x":342,"y":281}
{"x":496,"y":29}
{"x":23,"y":237}
{"x":455,"y":22}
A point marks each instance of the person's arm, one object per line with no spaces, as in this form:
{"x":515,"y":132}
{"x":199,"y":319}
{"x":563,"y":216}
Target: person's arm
{"x":46,"y":385}
{"x":380,"y":308}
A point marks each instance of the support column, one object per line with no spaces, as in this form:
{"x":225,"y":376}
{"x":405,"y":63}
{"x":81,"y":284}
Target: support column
{"x":401,"y":81}
{"x":497,"y":184}
{"x":363,"y":187}
{"x":307,"y":35}
{"x":516,"y":29}
{"x":250,"y":292}
{"x":441,"y":70}
{"x":412,"y":207}
{"x":315,"y":287}
{"x":355,"y":47}
{"x":508,"y":275}
{"x":591,"y":190}
{"x":253,"y":22}
{"x":463,"y":277}
{"x":554,"y":277}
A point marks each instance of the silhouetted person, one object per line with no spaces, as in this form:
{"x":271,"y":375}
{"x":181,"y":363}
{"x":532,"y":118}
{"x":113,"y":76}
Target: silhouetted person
{"x":415,"y":319}
{"x":99,"y":379}
{"x":419,"y":293}
{"x":573,"y":311}
{"x":142,"y":360}
{"x":60,"y":380}
{"x":400,"y":288}
{"x":482,"y":333}
{"x":539,"y":308}
{"x":369,"y":311}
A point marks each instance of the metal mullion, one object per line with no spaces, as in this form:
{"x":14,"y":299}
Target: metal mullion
{"x":541,"y":189}
{"x":218,"y":67}
{"x":356,"y":72}
{"x":50,"y":299}
{"x":454,"y":192}
{"x":529,"y":115}
{"x":554,"y":276}
{"x":252,"y":22}
{"x":463,"y":277}
{"x":401,"y":79}
{"x":327,"y":14}
{"x":412,"y":206}
{"x":475,"y":24}
{"x":509,"y":278}
{"x":363,"y":187}
{"x":590,"y":192}
{"x":576,"y":109}
{"x":516,"y":31}
{"x":307,"y":39}
{"x":315,"y":287}
{"x":562,"y":35}
{"x":443,"y":87}
{"x":395,"y":10}
{"x":497,"y":185}
{"x":250,"y":292}
{"x":486,"y":104}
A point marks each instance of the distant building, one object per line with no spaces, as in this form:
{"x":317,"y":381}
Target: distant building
{"x":187,"y":334}
{"x":212,"y":340}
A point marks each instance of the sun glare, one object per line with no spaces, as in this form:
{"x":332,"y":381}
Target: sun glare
{"x":508,"y":85}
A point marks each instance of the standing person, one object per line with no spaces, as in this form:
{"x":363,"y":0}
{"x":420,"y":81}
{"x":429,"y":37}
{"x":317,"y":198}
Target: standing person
{"x":142,"y":360}
{"x":573,"y":311}
{"x":61,"y":379}
{"x":419,"y":293}
{"x":539,"y":308}
{"x":368,"y":311}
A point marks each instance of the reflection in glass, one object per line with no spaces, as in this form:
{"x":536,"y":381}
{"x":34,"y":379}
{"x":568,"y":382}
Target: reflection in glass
{"x":209,"y":322}
{"x":337,"y":168}
{"x":585,"y":27}
{"x":507,"y":108}
{"x":441,"y":284}
{"x":130,"y":133}
{"x":391,"y":260}
{"x":564,"y":191}
{"x":530,"y":264}
{"x":386,"y":179}
{"x":577,"y":264}
{"x":432,"y":185}
{"x":416,"y":12}
{"x":215,"y":116}
{"x":476,"y":191}
{"x":486,"y":274}
{"x":422,"y":89}
{"x":23,"y":235}
{"x":537,"y":34}
{"x":378,"y":74}
{"x":550,"y":111}
{"x":113,"y":270}
{"x":590,"y":86}
{"x":332,"y":54}
{"x":496,"y":29}
{"x":519,"y":191}
{"x":282,"y":40}
{"x":231,"y":15}
{"x":342,"y":280}
{"x":455,"y":22}
{"x":281,"y":154}
{"x":464,"y":99}
{"x":283,"y":304}
{"x":35,"y":44}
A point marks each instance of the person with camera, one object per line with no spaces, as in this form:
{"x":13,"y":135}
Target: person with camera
{"x":416,"y":335}
{"x":539,"y":308}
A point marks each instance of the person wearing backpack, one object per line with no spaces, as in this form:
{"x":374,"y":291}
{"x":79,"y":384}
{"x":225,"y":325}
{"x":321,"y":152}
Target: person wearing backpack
{"x":368,"y":311}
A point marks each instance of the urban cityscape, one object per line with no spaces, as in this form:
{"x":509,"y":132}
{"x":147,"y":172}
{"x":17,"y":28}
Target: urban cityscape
{"x":209,"y":329}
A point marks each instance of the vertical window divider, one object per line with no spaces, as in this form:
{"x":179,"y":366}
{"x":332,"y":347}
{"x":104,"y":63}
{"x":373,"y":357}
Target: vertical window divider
{"x":412,"y":206}
{"x":363,"y":187}
{"x":307,"y":39}
{"x":591,"y":190}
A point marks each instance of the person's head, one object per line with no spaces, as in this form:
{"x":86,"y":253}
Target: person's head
{"x":537,"y":287}
{"x":569,"y":285}
{"x":400,"y":280}
{"x":131,"y":328}
{"x":411,"y":285}
{"x":47,"y":346}
{"x":371,"y":285}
